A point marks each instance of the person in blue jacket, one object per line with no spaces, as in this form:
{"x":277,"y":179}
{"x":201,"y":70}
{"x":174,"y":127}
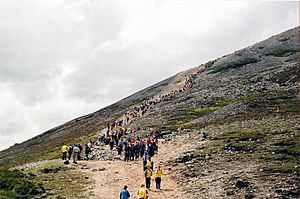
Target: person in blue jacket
{"x":124,"y":193}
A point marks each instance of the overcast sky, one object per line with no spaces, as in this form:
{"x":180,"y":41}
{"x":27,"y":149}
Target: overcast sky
{"x":60,"y":59}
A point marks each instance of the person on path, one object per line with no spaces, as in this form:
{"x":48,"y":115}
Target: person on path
{"x":137,"y":150}
{"x":150,"y":164}
{"x":148,"y":142}
{"x":148,"y":175}
{"x":124,"y":193}
{"x":111,"y":143}
{"x":158,"y":175}
{"x":145,"y":159}
{"x":87,"y":151}
{"x":132,"y":152}
{"x":80,"y":150}
{"x":70,"y":152}
{"x":127,"y":152}
{"x":142,"y":149}
{"x":151,"y":150}
{"x":142,"y":192}
{"x":76,"y":151}
{"x":120,"y":147}
{"x":64,"y":150}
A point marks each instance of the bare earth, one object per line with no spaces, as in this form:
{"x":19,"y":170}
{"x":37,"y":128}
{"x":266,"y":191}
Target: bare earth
{"x":109,"y":182}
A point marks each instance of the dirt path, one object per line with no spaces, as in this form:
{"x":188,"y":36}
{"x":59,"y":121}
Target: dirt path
{"x":111,"y":176}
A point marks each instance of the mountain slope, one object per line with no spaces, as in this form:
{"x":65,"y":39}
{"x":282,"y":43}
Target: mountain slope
{"x":258,"y":82}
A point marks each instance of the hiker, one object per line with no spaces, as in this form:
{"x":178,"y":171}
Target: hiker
{"x":124,"y":193}
{"x":155,"y":147}
{"x":70,"y":152}
{"x":151,"y":150}
{"x":142,"y":192}
{"x":87,"y":151}
{"x":111,"y":143}
{"x":127,"y":152}
{"x":76,"y":151}
{"x":80,"y":150}
{"x":64,"y":150}
{"x":158,"y":175}
{"x":150,"y":163}
{"x":132,"y":152}
{"x":145,"y":159}
{"x":120,"y":147}
{"x":137,"y":150}
{"x":148,"y":175}
{"x":142,"y":149}
{"x":148,"y":142}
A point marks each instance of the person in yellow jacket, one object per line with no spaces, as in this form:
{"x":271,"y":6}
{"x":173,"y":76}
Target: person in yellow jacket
{"x":148,"y":175}
{"x":64,"y":150}
{"x":142,"y":192}
{"x":158,"y":175}
{"x":150,"y":163}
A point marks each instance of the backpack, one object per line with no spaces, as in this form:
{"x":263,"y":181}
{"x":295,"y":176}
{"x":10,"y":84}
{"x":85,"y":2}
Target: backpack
{"x":124,"y":194}
{"x":66,"y":162}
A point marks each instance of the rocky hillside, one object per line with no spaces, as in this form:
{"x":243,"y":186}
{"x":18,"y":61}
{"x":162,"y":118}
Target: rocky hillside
{"x":248,"y":104}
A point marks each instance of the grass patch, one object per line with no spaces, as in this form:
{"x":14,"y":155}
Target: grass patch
{"x":235,"y":64}
{"x":200,"y":112}
{"x":15,"y":184}
{"x":241,"y":141}
{"x":284,"y":38}
{"x":265,"y":104}
{"x":289,"y":146}
{"x":63,"y":182}
{"x":283,"y":52}
{"x":187,"y":115}
{"x":241,"y":136}
{"x":290,"y":75}
{"x":284,"y":168}
{"x":222,"y":102}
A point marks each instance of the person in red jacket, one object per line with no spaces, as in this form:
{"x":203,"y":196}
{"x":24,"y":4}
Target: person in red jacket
{"x":148,"y":141}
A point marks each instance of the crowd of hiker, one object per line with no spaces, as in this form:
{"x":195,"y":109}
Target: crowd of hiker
{"x":128,"y":144}
{"x":143,"y":190}
{"x":75,"y":152}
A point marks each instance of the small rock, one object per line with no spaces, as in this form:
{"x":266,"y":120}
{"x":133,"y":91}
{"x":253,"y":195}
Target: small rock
{"x":241,"y":184}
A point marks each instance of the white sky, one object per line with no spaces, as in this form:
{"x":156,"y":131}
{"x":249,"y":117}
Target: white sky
{"x":60,"y":59}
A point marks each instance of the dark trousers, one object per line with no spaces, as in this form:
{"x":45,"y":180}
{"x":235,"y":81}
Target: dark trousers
{"x":132,"y":157}
{"x":127,"y":156}
{"x":157,"y":182}
{"x":69,"y":155}
{"x":64,"y":156}
{"x":148,"y":183}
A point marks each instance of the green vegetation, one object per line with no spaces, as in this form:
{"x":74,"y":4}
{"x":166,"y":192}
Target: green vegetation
{"x":284,"y":38}
{"x":278,"y":150}
{"x":283,"y":52}
{"x":241,"y":136}
{"x":289,"y":146}
{"x":290,"y":75}
{"x":241,"y":141}
{"x":235,"y":64}
{"x":16,"y":184}
{"x":273,"y":103}
{"x":222,"y":102}
{"x":284,"y":168}
{"x":187,"y":115}
{"x":60,"y":181}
